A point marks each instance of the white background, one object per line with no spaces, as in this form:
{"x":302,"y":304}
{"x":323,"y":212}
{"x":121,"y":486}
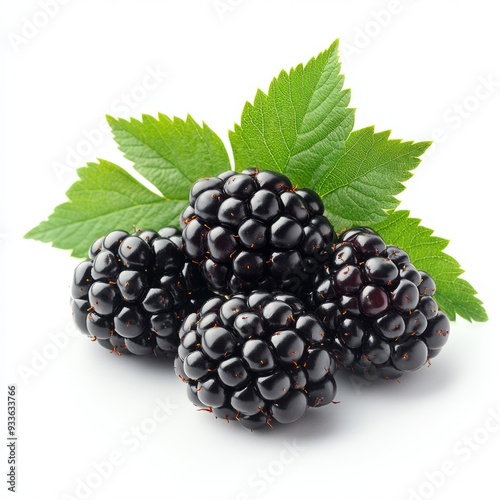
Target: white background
{"x":414,"y":70}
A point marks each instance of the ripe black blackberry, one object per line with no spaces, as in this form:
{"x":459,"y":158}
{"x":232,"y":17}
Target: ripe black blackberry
{"x":134,"y":290}
{"x":254,"y":230}
{"x":255,"y":358}
{"x":379,"y":307}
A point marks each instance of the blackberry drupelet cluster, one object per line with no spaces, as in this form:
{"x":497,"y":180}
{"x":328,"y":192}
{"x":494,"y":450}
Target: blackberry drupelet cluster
{"x":134,"y":290}
{"x":379,"y":307}
{"x":254,"y":230}
{"x":256,"y":358}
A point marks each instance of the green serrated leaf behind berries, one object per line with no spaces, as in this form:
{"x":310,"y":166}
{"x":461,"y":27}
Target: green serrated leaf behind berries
{"x":358,"y":188}
{"x":170,"y":153}
{"x":300,"y":123}
{"x":105,"y":198}
{"x":453,"y":294}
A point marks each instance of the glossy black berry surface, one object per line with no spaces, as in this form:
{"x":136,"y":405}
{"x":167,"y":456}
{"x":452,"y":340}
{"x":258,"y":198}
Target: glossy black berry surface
{"x":257,"y":359}
{"x":378,"y":307}
{"x":254,"y":230}
{"x":135,"y":290}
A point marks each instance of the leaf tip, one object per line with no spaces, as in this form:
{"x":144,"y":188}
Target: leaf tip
{"x":112,"y":121}
{"x":334,"y":46}
{"x":30,"y":235}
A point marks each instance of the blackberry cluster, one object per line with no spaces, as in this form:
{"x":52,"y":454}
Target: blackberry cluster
{"x":379,"y":307}
{"x":134,"y":290}
{"x":255,"y":358}
{"x":254,"y":230}
{"x":259,"y":299}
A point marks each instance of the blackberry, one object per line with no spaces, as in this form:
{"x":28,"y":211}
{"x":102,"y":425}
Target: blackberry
{"x":379,"y":307}
{"x":254,"y":230}
{"x":256,"y":358}
{"x":134,"y":290}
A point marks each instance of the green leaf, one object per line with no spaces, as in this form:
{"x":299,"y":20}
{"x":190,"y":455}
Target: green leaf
{"x":359,"y":187}
{"x":170,"y":153}
{"x":453,"y":294}
{"x":105,"y":198}
{"x":300,"y":124}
